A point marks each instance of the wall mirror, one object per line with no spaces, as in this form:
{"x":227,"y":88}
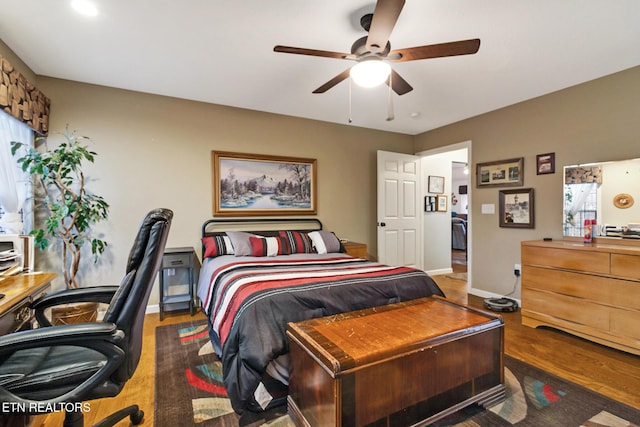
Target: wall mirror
{"x":607,"y":192}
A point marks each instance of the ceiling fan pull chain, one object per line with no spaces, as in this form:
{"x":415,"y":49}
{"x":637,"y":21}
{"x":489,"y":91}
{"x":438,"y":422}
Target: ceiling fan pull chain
{"x":350,"y":100}
{"x":390,"y":115}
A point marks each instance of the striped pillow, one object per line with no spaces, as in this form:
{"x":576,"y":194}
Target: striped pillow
{"x":217,"y":245}
{"x":299,"y":242}
{"x":268,"y":246}
{"x":325,"y":242}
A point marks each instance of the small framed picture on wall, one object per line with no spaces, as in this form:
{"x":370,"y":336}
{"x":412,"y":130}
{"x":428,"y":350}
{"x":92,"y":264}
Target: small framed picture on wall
{"x":442,"y":203}
{"x":436,"y":184}
{"x":545,"y":163}
{"x":517,"y":208}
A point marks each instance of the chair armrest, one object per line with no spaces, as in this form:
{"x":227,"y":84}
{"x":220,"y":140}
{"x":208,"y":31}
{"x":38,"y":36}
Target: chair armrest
{"x":79,"y":334}
{"x":102,"y":337}
{"x":101,"y":294}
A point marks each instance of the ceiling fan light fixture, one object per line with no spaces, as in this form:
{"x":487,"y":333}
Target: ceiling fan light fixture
{"x":370,"y":72}
{"x":84,"y":7}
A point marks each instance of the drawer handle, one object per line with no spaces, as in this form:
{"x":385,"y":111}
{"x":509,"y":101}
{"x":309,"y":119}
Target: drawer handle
{"x":178,"y":262}
{"x":23,"y":315}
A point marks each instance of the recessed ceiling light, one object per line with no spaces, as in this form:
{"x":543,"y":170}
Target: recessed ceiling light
{"x":84,"y":7}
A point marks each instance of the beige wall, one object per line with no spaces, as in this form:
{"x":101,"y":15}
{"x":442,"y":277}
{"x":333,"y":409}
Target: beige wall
{"x":595,"y":121}
{"x":155,"y":151}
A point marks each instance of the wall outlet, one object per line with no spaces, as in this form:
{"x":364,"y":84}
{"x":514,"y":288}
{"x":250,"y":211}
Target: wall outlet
{"x":517,"y":270}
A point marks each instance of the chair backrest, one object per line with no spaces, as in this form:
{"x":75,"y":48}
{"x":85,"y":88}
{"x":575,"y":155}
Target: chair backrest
{"x":128,"y":305}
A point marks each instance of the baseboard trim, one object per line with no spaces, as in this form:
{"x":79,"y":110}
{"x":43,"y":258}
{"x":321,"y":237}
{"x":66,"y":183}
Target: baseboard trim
{"x":439,"y":271}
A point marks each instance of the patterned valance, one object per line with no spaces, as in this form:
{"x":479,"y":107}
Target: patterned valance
{"x":583,"y":175}
{"x":20,"y":98}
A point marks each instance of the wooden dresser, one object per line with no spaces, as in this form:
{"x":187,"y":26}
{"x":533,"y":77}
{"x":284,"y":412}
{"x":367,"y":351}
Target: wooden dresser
{"x":588,"y":290}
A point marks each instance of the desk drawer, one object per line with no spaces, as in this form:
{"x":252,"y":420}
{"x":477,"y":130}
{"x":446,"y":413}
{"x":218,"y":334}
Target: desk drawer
{"x":16,"y":318}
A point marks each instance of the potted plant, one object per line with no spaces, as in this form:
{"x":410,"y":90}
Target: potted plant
{"x":70,"y":207}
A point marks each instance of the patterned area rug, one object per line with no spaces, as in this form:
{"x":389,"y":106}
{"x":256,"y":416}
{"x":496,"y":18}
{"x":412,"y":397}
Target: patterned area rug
{"x":189,"y":391}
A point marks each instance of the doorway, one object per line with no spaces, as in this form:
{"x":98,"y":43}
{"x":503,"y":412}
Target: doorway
{"x":439,"y":255}
{"x":459,"y":215}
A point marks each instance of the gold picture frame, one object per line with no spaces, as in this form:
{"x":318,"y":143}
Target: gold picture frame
{"x":442,"y":204}
{"x":263,"y":185}
{"x":501,"y":173}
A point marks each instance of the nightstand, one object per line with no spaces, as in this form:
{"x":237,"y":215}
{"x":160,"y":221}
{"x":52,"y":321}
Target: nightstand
{"x":355,"y":249}
{"x":178,"y":280}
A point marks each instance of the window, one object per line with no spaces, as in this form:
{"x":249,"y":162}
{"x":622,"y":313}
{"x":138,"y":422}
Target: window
{"x":16,"y":213}
{"x":580,"y":203}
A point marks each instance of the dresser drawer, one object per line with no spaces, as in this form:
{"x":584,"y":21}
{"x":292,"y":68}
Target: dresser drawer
{"x":616,"y":292}
{"x":176,"y":260}
{"x":625,"y":266}
{"x":579,"y":311}
{"x":580,"y":260}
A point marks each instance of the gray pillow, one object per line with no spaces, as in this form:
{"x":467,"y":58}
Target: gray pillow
{"x":240,"y":242}
{"x":325,"y":241}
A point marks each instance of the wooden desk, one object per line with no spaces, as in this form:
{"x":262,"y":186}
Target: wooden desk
{"x":20,"y":290}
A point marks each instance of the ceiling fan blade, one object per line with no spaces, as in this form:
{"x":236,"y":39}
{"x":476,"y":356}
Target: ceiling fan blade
{"x":463,"y":47}
{"x":384,"y":19}
{"x":334,"y":81}
{"x":398,"y":84}
{"x":312,"y":52}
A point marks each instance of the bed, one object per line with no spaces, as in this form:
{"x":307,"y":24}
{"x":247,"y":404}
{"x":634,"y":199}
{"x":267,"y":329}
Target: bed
{"x":253,"y":283}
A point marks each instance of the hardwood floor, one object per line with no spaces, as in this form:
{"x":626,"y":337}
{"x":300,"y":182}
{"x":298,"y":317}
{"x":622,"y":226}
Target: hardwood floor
{"x":139,"y":389}
{"x":610,"y":372}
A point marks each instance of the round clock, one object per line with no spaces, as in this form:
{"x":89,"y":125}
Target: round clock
{"x":623,"y":201}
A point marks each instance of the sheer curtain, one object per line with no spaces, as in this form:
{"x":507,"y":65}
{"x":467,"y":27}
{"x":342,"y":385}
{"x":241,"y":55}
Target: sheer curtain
{"x":580,"y":193}
{"x":14,"y":183}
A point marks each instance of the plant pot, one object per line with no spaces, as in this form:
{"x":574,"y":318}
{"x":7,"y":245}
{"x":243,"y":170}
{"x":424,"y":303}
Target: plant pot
{"x":74,"y":313}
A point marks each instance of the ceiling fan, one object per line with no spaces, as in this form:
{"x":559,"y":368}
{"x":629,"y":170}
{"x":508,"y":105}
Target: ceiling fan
{"x":375,"y":49}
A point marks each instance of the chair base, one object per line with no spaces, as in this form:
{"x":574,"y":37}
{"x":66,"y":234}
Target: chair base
{"x":76,"y":419}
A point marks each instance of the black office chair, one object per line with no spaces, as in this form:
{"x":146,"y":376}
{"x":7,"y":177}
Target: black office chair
{"x":55,"y":368}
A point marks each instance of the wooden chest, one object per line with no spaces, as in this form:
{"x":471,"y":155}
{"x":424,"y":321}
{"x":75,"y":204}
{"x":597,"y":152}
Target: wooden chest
{"x":397,"y":365}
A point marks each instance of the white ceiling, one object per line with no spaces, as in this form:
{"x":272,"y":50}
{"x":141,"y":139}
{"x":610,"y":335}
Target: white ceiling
{"x":221,"y":52}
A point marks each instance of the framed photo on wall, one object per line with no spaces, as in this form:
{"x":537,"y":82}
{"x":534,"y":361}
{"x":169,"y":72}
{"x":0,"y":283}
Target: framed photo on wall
{"x":545,"y":163}
{"x":517,"y":208}
{"x":501,"y":173}
{"x":442,"y":203}
{"x":436,"y":184}
{"x":429,"y":203}
{"x":257,"y":185}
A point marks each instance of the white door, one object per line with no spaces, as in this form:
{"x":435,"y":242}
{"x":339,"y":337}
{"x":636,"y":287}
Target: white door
{"x":399,"y":209}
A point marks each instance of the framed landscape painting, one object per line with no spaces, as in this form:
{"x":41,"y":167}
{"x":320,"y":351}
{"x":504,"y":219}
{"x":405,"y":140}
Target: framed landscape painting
{"x":260,"y":185}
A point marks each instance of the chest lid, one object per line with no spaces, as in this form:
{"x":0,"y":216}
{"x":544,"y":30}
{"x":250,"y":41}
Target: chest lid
{"x":351,"y":340}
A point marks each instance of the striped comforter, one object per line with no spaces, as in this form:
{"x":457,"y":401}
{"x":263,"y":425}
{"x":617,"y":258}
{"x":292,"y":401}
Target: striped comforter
{"x":249,"y":302}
